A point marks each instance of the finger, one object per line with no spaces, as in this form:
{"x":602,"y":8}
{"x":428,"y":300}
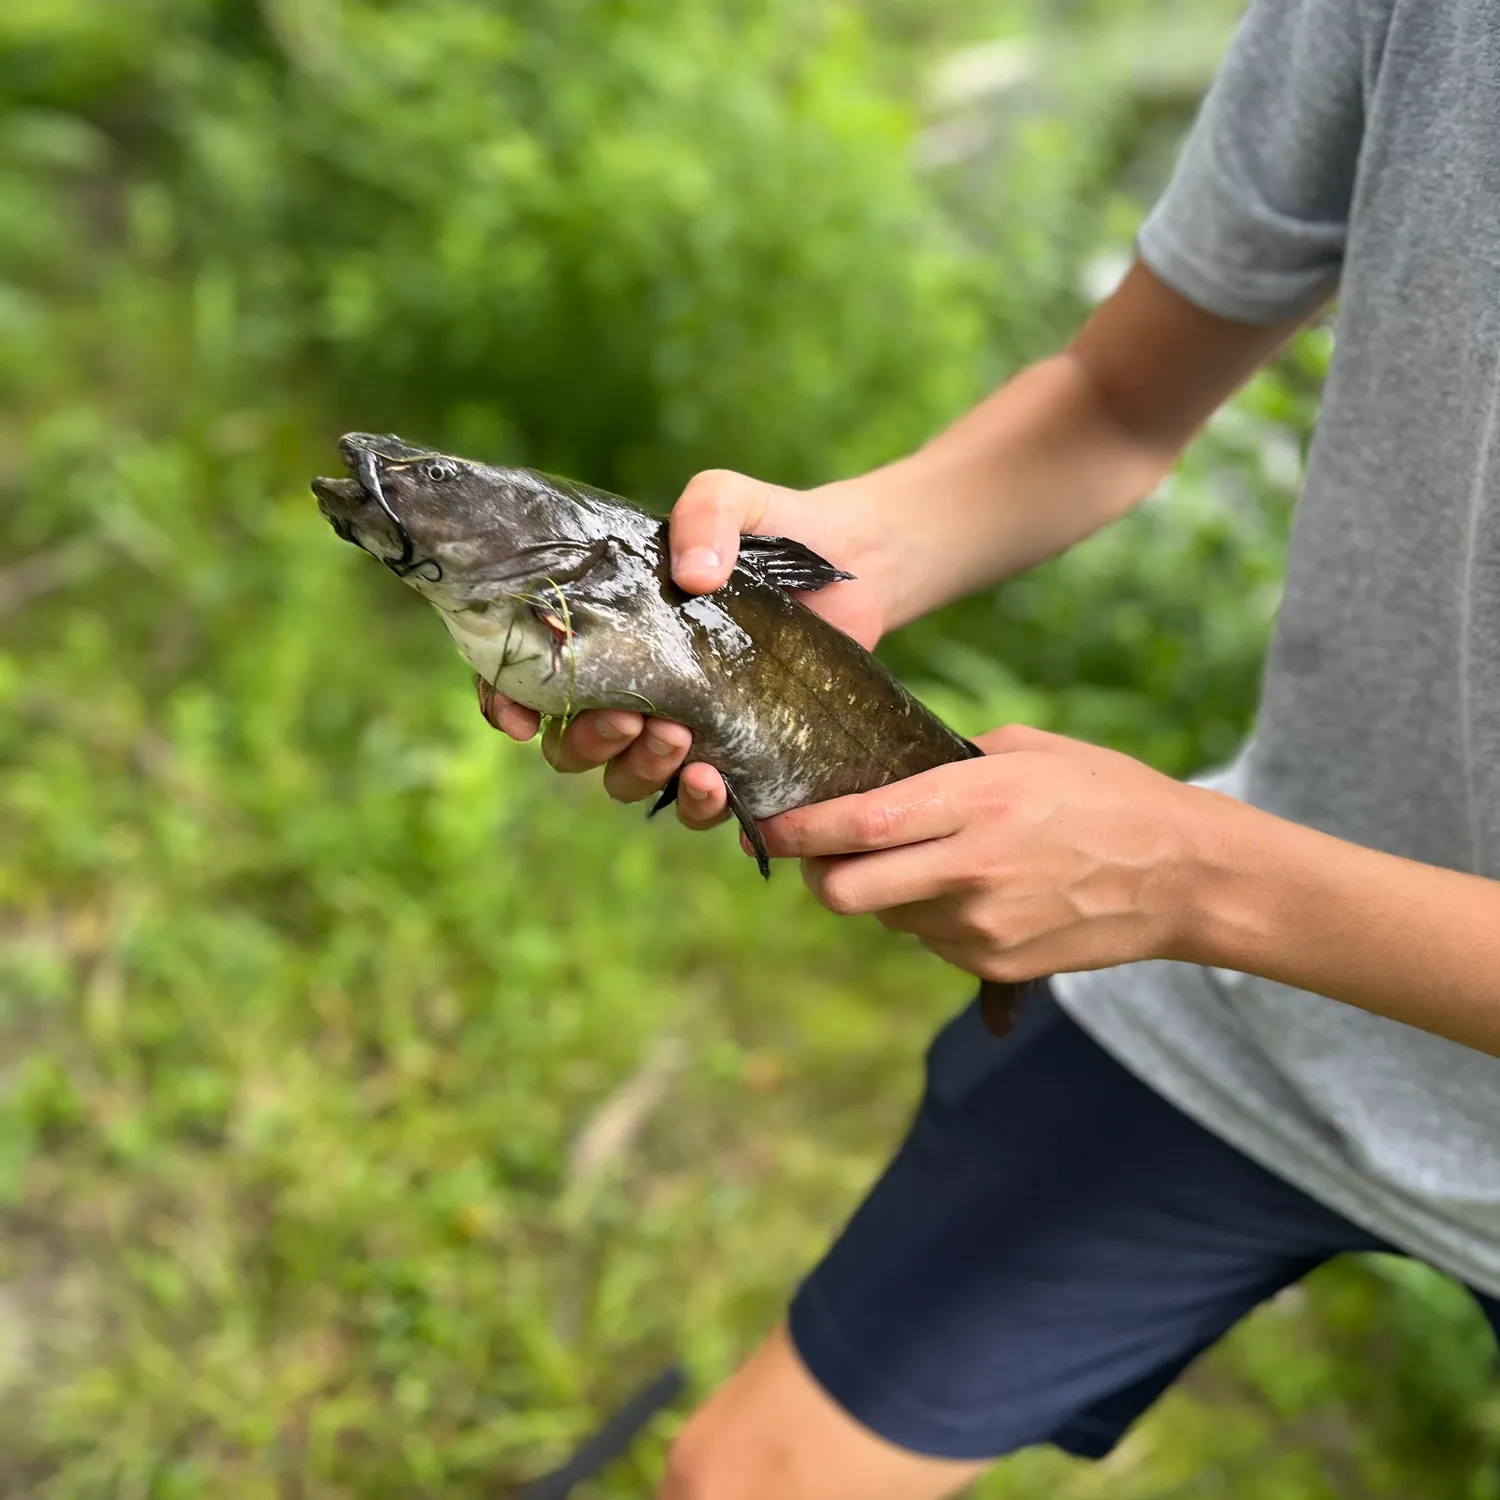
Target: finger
{"x":510,"y":718}
{"x":942,"y":920}
{"x":701,"y":799}
{"x":905,"y":812}
{"x":1018,"y":965}
{"x":970,"y":957}
{"x":706,"y":523}
{"x":1009,"y":738}
{"x":857,"y":884}
{"x":520,"y":723}
{"x":590,"y":740}
{"x":646,"y":765}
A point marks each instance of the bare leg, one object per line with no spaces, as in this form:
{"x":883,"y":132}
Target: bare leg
{"x":771,"y":1433}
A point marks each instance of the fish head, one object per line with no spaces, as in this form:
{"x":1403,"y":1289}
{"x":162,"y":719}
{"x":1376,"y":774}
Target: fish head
{"x":445,"y":525}
{"x":536,"y":578}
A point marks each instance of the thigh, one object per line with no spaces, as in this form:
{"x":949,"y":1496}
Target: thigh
{"x":1051,"y":1246}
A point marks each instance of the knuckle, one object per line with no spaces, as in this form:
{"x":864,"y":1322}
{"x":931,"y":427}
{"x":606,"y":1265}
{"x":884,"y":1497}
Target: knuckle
{"x":713,"y":481}
{"x":574,"y":752}
{"x":1001,"y":930}
{"x":699,"y":818}
{"x":972,"y":927}
{"x":700,"y":801}
{"x":573,"y":756}
{"x":994,"y":796}
{"x":1010,"y":737}
{"x":621,"y":787}
{"x":640,"y":765}
{"x":839,"y":892}
{"x":662,"y":737}
{"x":705,"y":1462}
{"x":687,"y":1475}
{"x":873,"y":822}
{"x":710,"y":492}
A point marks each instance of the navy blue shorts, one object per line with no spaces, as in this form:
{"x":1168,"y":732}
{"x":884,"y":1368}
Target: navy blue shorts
{"x":1053,"y":1244}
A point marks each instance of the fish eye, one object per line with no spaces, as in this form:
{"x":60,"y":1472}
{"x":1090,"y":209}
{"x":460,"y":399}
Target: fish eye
{"x":439,"y":470}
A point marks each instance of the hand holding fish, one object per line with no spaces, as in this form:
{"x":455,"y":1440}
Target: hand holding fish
{"x":1047,"y":855}
{"x":640,"y":754}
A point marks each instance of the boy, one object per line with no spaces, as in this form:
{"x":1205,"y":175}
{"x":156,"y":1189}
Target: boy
{"x":1277,"y":1009}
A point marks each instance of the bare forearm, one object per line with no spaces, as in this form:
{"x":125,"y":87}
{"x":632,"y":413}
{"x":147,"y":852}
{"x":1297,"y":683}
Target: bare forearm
{"x":1038,"y":466}
{"x":1057,"y":452}
{"x":1405,"y":940}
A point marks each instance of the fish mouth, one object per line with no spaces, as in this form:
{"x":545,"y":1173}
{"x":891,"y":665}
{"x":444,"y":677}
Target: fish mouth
{"x":364,"y":453}
{"x":338,"y":494}
{"x":340,"y":500}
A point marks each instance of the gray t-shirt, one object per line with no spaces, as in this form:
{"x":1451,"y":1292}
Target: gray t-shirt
{"x":1356,"y":143}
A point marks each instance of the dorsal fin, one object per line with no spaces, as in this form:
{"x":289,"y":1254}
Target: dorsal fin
{"x":787,"y":564}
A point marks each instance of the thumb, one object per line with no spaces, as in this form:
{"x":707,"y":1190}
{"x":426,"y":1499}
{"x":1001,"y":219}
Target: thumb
{"x":715,"y":508}
{"x":1012,"y":737}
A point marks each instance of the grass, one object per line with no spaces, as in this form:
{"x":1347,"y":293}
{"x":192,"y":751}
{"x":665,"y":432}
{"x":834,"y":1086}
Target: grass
{"x":379,"y":1108}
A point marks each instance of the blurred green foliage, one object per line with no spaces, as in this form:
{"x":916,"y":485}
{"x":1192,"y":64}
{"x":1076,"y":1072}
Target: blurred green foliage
{"x":331,"y":1023}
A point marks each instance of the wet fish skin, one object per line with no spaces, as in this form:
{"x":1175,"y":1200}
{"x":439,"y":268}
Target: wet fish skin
{"x":560,"y":596}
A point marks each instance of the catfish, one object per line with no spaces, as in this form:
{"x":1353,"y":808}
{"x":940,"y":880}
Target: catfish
{"x":560,"y":596}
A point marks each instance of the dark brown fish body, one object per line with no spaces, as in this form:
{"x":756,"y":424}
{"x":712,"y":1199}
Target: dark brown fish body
{"x":561,"y":597}
{"x":784,"y":705}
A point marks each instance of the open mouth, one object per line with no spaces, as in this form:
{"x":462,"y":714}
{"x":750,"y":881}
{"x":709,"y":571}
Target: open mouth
{"x":338,"y":499}
{"x":344,"y":493}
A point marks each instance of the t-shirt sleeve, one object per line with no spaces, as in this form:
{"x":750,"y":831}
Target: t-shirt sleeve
{"x":1252,"y":223}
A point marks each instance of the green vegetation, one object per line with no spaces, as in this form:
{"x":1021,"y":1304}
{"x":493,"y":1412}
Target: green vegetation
{"x":375,"y":1106}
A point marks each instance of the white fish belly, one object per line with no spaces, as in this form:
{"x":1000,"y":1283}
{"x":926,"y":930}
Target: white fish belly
{"x":520,"y":658}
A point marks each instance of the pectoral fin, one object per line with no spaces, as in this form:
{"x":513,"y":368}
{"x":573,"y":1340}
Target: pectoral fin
{"x":787,"y":564}
{"x":545,"y":568}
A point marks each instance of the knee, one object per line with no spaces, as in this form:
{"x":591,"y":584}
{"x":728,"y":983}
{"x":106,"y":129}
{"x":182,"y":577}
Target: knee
{"x":709,"y":1462}
{"x":686,"y":1477}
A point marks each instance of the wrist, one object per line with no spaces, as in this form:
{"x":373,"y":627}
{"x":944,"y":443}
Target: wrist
{"x":892,"y":540}
{"x":857,"y":513}
{"x":1236,"y":860}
